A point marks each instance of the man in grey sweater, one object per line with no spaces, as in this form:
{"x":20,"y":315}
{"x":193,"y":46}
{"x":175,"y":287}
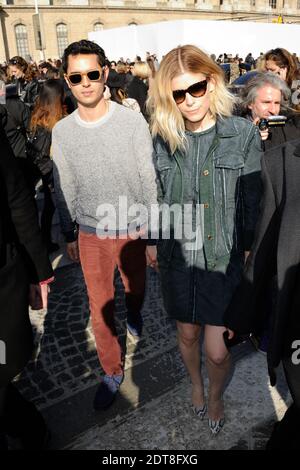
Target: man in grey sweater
{"x":103,"y":172}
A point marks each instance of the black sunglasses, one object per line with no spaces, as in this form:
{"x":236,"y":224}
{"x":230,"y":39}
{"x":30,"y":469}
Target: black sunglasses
{"x":76,"y":77}
{"x":196,"y":90}
{"x":15,"y":62}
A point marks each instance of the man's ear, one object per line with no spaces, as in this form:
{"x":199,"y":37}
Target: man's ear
{"x":105,"y":73}
{"x":67,"y":80}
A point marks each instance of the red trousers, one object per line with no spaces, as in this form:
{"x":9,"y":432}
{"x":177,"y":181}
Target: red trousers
{"x":99,"y":257}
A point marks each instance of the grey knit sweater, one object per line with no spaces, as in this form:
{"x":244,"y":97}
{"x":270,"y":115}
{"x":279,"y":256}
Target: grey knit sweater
{"x":97,"y":162}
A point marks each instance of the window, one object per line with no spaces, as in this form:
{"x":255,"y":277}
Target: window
{"x":252,"y":3}
{"x":22,"y":40}
{"x":272,"y":4}
{"x":62,"y":38}
{"x":98,"y":26}
{"x":298,"y":4}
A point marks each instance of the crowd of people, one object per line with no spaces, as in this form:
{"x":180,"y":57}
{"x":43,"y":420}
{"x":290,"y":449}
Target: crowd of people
{"x":183,"y":134}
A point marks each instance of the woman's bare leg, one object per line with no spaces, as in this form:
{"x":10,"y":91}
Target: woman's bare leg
{"x":218,"y":367}
{"x":189,"y":345}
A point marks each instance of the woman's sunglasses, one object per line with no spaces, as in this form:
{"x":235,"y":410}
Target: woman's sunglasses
{"x":196,"y":90}
{"x":77,"y":77}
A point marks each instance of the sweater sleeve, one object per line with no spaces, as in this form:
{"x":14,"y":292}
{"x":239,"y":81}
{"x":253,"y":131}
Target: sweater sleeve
{"x":65,"y":190}
{"x":143,"y":150}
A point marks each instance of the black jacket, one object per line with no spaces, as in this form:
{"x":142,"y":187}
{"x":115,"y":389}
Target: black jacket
{"x":279,"y":135}
{"x":23,"y":259}
{"x":139,"y":91}
{"x":38,"y":150}
{"x":276,"y":250}
{"x":15,"y":125}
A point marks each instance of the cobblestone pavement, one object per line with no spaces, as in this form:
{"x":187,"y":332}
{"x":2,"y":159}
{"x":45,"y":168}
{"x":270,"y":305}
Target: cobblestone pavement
{"x":66,"y":361}
{"x":166,"y":422}
{"x":152,"y":409}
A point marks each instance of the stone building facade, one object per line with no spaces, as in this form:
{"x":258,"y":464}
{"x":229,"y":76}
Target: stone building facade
{"x":65,"y":21}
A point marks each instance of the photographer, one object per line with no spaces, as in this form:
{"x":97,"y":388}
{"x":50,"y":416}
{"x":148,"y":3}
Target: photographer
{"x":266,"y":95}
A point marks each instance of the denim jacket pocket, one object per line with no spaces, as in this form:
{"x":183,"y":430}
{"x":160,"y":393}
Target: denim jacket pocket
{"x":230,"y":161}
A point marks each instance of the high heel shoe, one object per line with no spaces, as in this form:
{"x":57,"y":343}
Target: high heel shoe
{"x":216,"y":426}
{"x":200,"y":411}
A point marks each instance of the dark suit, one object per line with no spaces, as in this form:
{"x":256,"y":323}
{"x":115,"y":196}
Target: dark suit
{"x":276,"y":251}
{"x":23,"y":260}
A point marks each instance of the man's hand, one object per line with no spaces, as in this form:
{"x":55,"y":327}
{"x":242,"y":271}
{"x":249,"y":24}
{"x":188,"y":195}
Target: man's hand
{"x":151,"y":257}
{"x":38,"y":296}
{"x":264,"y":134}
{"x":73,"y":251}
{"x":246,"y":254}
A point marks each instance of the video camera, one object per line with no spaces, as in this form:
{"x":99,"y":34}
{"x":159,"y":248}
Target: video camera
{"x":271,"y":121}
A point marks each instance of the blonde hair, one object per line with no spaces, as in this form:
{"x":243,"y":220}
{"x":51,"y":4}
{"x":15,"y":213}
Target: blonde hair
{"x":141,"y":70}
{"x":165,"y":118}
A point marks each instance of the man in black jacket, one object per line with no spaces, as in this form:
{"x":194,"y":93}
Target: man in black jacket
{"x":25,"y":272}
{"x":276,"y":251}
{"x":266,"y":95}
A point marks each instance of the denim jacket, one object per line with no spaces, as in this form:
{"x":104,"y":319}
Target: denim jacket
{"x":230,"y":188}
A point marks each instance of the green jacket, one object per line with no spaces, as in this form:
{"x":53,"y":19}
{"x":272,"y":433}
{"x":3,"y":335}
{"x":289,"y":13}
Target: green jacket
{"x":230,"y":190}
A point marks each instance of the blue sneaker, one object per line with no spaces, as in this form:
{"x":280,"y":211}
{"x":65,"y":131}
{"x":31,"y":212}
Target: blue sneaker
{"x":107,"y":390}
{"x":135,"y":324}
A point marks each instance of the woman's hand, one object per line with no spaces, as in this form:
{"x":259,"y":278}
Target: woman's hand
{"x":73,"y":251}
{"x":230,"y":333}
{"x":151,"y":257}
{"x":38,"y":296}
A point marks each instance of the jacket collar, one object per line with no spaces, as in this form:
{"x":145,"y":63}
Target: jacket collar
{"x":226,"y":127}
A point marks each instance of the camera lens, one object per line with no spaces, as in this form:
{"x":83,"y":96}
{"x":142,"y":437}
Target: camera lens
{"x":263,"y":124}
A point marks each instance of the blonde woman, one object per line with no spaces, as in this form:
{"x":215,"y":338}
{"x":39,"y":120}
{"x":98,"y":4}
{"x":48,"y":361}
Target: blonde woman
{"x":208,"y":165}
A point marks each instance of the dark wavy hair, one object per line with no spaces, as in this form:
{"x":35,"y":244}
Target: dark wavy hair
{"x":83,"y":47}
{"x":283,"y":58}
{"x":49,"y":107}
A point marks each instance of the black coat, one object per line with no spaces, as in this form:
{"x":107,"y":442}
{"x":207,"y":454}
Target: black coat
{"x":23,"y":259}
{"x":139,"y":91}
{"x":276,"y":251}
{"x":280,"y":135}
{"x":17,"y":122}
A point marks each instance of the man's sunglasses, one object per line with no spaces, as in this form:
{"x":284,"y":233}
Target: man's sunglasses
{"x":196,"y":90}
{"x":77,"y":77}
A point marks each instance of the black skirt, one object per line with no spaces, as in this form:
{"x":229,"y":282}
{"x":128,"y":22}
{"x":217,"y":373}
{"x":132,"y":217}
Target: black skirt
{"x":197,"y":295}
